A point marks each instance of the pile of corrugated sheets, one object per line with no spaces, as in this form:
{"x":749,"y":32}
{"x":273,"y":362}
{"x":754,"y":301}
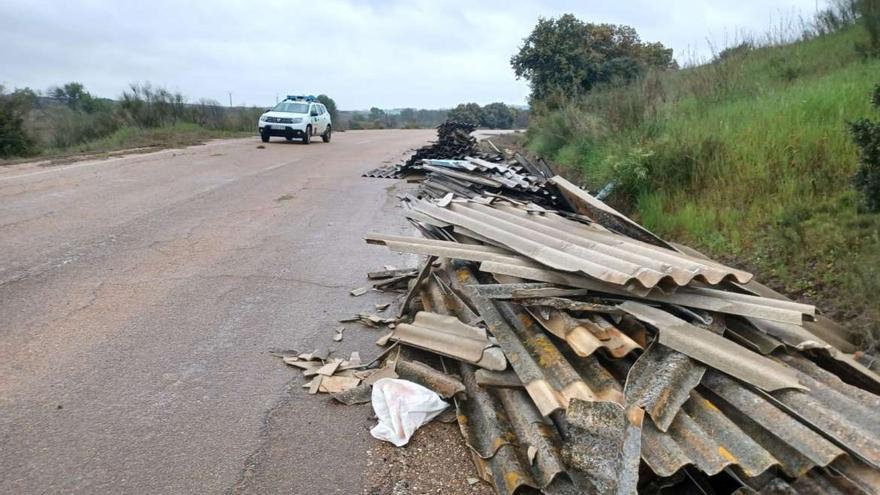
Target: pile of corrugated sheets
{"x":473,"y":177}
{"x":454,"y":141}
{"x":597,"y":358}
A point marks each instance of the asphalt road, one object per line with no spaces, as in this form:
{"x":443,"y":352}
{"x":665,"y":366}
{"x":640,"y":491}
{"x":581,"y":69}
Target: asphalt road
{"x":139,"y":297}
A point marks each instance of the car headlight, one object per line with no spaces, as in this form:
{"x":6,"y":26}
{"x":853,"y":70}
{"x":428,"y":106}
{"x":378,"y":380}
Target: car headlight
{"x":297,"y":120}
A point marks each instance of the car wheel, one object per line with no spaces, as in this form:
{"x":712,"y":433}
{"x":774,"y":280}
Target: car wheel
{"x":308,"y":136}
{"x":264,"y":138}
{"x":326,"y":135}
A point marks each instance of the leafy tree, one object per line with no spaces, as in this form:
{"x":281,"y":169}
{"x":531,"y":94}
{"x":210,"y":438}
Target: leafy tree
{"x":497,"y":116}
{"x":466,"y":112}
{"x":331,"y":107}
{"x":75,"y":96}
{"x":14,"y":141}
{"x":377,"y":114}
{"x":569,"y":56}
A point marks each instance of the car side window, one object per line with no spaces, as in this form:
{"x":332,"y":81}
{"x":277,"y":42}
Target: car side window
{"x":321,"y":109}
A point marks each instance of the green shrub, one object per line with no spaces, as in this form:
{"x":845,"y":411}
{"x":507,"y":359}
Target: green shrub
{"x":71,"y":127}
{"x":866,"y":135}
{"x":14,"y":141}
{"x":145,"y":106}
{"x":570,"y":124}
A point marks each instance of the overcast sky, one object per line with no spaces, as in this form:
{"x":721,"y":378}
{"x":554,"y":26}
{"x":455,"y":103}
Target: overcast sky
{"x":427,"y":54}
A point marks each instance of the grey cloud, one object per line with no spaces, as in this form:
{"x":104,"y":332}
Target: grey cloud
{"x":388,"y":54}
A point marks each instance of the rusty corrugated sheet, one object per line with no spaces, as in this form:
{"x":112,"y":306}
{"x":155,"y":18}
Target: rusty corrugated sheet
{"x":502,"y":261}
{"x":660,"y":381}
{"x":415,"y":245}
{"x":499,"y":427}
{"x":708,"y":299}
{"x":703,"y":437}
{"x":477,"y":179}
{"x":795,"y":447}
{"x":818,"y":481}
{"x":732,"y":426}
{"x":585,"y":335}
{"x":848,"y":415}
{"x":456,"y":164}
{"x":612,"y":258}
{"x":598,"y":211}
{"x":602,"y":441}
{"x":564,"y":377}
{"x":679,"y":265}
{"x":537,"y":437}
{"x":860,"y":474}
{"x":448,"y":336}
{"x":746,"y":334}
{"x":444,"y":385}
{"x":821,"y":333}
{"x":548,"y":377}
{"x":714,"y":350}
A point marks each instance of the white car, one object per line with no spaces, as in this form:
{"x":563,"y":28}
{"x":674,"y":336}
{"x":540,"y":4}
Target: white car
{"x":296,"y":117}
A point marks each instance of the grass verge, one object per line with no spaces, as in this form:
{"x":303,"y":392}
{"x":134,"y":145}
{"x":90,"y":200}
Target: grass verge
{"x":134,"y":139}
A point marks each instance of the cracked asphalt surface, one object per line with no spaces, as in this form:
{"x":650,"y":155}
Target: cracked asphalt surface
{"x":139,"y":297}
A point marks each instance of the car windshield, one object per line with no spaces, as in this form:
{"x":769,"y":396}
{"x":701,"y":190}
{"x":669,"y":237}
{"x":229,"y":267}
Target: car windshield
{"x":291,"y":107}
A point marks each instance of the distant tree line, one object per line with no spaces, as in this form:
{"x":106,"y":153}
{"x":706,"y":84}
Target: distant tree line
{"x":493,"y":116}
{"x":68,"y":115}
{"x":406,"y":118}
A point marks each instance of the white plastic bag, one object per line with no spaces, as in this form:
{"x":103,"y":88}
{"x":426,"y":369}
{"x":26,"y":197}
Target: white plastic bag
{"x":402,"y":406}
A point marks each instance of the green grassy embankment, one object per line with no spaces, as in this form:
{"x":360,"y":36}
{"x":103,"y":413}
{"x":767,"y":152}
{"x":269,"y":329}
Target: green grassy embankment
{"x":748,"y":159}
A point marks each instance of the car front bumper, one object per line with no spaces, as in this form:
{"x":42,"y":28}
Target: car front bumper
{"x":284,"y":130}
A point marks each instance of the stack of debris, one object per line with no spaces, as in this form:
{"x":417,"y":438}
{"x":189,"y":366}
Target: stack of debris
{"x":633,"y":364}
{"x":324,"y":374}
{"x":454,"y":142}
{"x":586,"y":355}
